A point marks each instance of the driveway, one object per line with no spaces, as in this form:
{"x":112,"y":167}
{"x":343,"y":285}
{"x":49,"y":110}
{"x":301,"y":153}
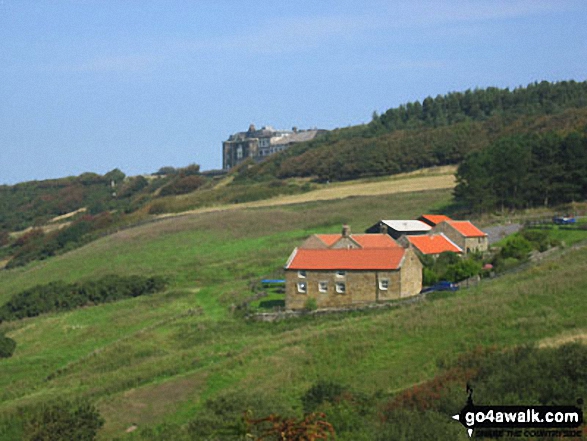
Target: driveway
{"x":498,"y":232}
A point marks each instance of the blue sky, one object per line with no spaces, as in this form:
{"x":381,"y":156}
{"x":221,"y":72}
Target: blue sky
{"x":92,"y":85}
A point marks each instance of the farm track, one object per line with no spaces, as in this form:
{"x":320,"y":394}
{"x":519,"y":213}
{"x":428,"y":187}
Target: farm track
{"x":419,"y":181}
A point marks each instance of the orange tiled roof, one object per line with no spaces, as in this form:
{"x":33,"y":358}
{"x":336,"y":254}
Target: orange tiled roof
{"x":364,"y":240}
{"x":466,"y":228}
{"x":435,"y":218}
{"x":375,"y":241}
{"x":343,"y":259}
{"x":329,"y":239}
{"x":433,"y":244}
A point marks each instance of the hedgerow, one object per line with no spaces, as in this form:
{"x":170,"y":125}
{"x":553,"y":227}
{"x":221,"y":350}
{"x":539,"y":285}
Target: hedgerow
{"x":60,"y":296}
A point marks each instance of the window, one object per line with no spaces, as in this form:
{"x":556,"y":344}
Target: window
{"x":383,"y":284}
{"x":340,"y":273}
{"x":302,"y":274}
{"x":340,"y":287}
{"x":323,"y":286}
{"x":302,"y":287}
{"x":239,"y":152}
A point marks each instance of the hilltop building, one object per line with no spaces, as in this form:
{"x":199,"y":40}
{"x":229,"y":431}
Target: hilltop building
{"x":338,"y":270}
{"x":258,"y":144}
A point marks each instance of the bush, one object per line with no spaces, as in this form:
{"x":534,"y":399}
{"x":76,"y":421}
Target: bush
{"x":501,"y":264}
{"x":221,"y":418}
{"x":4,"y":238}
{"x":311,"y":304}
{"x":36,"y":245}
{"x":158,"y":207}
{"x":59,"y":296}
{"x":7,"y":346}
{"x":517,"y":247}
{"x":320,"y":392}
{"x":558,"y":376}
{"x":463,"y":270}
{"x":64,"y":420}
{"x":429,"y":277}
{"x":183,"y":185}
{"x":539,"y":239}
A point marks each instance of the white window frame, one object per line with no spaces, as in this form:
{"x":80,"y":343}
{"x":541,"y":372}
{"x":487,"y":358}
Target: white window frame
{"x":323,"y":286}
{"x":341,"y":273}
{"x":303,"y":287}
{"x":341,"y":287}
{"x":384,"y":284}
{"x":302,"y":274}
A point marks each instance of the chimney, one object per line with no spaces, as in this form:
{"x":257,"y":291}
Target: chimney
{"x":346,"y":230}
{"x":383,"y":228}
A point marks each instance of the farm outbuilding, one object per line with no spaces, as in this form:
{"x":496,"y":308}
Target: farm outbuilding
{"x":398,"y":228}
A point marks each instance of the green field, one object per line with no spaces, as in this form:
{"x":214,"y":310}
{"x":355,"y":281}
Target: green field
{"x":156,"y":359}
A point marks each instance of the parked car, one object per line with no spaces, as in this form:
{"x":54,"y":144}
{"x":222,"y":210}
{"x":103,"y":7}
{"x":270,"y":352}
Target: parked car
{"x":564,"y":220}
{"x":441,"y":286}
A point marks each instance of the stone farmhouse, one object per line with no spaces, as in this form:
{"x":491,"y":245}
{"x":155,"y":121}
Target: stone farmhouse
{"x":258,"y":144}
{"x":338,"y":270}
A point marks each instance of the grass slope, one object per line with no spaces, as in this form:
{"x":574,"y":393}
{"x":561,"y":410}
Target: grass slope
{"x":156,"y":359}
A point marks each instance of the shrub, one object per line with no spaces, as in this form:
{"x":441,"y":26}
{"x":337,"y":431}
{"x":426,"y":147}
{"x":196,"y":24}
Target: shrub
{"x":321,"y":392}
{"x":59,"y":296}
{"x":538,"y":238}
{"x":158,"y":207}
{"x":429,"y":277}
{"x":311,"y":304}
{"x":4,"y":238}
{"x":7,"y":346}
{"x":64,"y":421}
{"x":183,"y":185}
{"x":501,"y":264}
{"x":463,"y":270}
{"x":222,"y":417}
{"x":517,"y":247}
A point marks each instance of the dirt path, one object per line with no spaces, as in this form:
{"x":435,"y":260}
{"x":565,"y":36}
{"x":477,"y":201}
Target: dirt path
{"x":430,"y":179}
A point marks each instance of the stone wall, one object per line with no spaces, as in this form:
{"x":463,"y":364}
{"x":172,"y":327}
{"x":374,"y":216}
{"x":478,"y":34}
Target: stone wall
{"x":476,"y":244}
{"x":411,"y":274}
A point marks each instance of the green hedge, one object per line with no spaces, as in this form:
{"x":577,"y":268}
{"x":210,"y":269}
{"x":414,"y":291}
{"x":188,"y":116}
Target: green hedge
{"x":60,"y":296}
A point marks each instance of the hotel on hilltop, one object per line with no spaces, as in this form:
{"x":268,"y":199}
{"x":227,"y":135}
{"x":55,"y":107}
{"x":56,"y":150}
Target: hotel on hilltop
{"x":258,"y":144}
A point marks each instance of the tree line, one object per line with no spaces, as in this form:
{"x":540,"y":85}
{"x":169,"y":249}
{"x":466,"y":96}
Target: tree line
{"x":437,"y":131}
{"x":481,"y":104}
{"x":524,"y":171}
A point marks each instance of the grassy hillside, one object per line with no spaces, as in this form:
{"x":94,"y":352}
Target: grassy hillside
{"x":157,"y":358}
{"x":438,"y":131}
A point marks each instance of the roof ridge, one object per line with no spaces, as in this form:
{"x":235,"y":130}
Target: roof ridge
{"x":448,"y":239}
